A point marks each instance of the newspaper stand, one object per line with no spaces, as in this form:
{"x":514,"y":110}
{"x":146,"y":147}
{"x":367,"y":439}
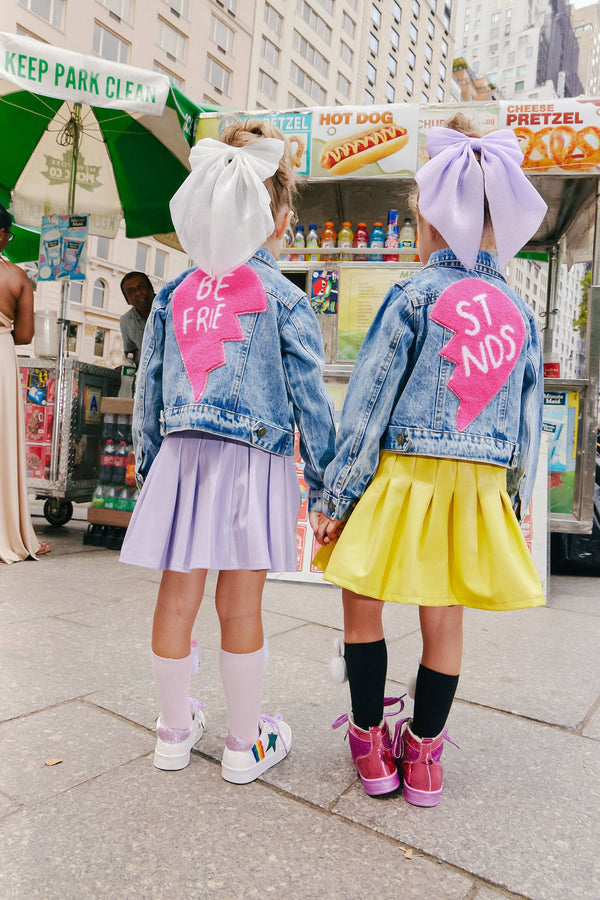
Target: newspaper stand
{"x":561,"y":143}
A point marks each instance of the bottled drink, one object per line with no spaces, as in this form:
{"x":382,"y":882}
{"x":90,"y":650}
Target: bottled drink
{"x":377,"y":239}
{"x":345,"y":238}
{"x":127,"y":378}
{"x":131,"y":498}
{"x":122,"y":499}
{"x":328,"y":240}
{"x":288,"y":241}
{"x":361,"y":239}
{"x":130,"y":470}
{"x":407,"y":238}
{"x":98,"y":498}
{"x":120,"y":464}
{"x":299,"y":241}
{"x":108,"y":426}
{"x":107,"y":462}
{"x":110,"y":497}
{"x":312,"y":240}
{"x":392,"y":239}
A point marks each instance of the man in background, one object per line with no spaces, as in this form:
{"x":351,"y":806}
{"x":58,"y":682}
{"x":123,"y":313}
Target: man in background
{"x":139,"y":293}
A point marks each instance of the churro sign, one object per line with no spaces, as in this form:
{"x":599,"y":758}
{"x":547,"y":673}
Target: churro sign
{"x":364,"y":141}
{"x":555,"y":135}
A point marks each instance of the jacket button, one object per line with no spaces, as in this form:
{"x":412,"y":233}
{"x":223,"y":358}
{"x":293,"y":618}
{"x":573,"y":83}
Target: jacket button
{"x":400,"y":439}
{"x":261,"y":432}
{"x":330,"y":505}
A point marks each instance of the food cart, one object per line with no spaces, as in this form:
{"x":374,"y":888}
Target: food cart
{"x":561,"y":145}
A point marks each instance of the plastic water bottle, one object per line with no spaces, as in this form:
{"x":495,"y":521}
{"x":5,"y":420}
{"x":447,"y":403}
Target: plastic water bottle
{"x":299,"y":241}
{"x":406,"y":238}
{"x":312,"y":240}
{"x":377,"y":239}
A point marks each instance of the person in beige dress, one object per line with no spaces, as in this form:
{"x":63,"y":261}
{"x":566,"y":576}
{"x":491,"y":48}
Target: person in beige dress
{"x":17,"y":537}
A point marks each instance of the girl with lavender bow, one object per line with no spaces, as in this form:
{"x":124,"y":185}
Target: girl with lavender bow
{"x":436,"y":452}
{"x":231,"y":362}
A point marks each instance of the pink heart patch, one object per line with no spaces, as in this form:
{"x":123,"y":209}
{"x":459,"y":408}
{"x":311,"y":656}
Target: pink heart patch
{"x":205,"y":315}
{"x":490,"y":333}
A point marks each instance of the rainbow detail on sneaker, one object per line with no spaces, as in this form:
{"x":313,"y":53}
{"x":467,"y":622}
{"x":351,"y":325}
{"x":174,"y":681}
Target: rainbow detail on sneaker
{"x":258,"y":751}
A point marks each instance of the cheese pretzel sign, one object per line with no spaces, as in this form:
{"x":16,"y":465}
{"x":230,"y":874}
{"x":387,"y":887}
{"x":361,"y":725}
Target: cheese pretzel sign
{"x":573,"y":149}
{"x":534,"y":148}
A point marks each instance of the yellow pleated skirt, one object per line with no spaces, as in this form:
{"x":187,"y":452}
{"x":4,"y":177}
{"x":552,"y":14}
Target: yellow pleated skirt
{"x":435,"y":532}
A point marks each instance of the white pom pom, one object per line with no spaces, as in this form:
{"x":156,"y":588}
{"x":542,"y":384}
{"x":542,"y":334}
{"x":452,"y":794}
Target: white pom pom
{"x":337,"y":665}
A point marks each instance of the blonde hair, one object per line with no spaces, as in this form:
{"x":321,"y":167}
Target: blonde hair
{"x":282,"y":186}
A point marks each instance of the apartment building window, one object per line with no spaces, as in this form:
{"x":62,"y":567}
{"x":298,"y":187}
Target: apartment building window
{"x":416,"y":8}
{"x":430,"y":28}
{"x":327,"y":5}
{"x":269,"y":51}
{"x":99,"y":341}
{"x":346,"y":53}
{"x":217,"y":75}
{"x":428,"y":53}
{"x":424,"y":97}
{"x":519,"y":86}
{"x":368,"y":98}
{"x":444,"y":47}
{"x":447,"y":13}
{"x":98,"y":293}
{"x":397,"y":12}
{"x":50,"y":10}
{"x":102,"y":247}
{"x":221,"y":34}
{"x":179,"y":7}
{"x":411,"y":59}
{"x":442,"y":71}
{"x":528,"y":52}
{"x":371,"y":73}
{"x":432,"y":5}
{"x":508,"y":74}
{"x":174,"y":78}
{"x":440,"y":94}
{"x":523,"y":38}
{"x":75,"y":291}
{"x":72,"y":337}
{"x":141,"y":257}
{"x":273,"y":19}
{"x":511,"y":57}
{"x":408,"y":84}
{"x":390,"y":93}
{"x":160,"y":260}
{"x":308,"y":84}
{"x":315,"y":21}
{"x":426,"y":77}
{"x":108,"y":45}
{"x":266,"y":84}
{"x":310,"y":54}
{"x":119,"y":8}
{"x":521,"y":71}
{"x":495,"y":17}
{"x":375,"y":16}
{"x":414,"y":34}
{"x":373,"y":44}
{"x":349,"y":25}
{"x":293,"y":102}
{"x":494,"y":33}
{"x":392,"y":64}
{"x":173,"y":42}
{"x":494,"y":61}
{"x":394,"y":38}
{"x":230,"y":5}
{"x":475,"y":66}
{"x":506,"y":30}
{"x":343,"y":84}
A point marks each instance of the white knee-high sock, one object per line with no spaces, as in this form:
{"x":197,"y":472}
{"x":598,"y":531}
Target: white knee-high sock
{"x":172,"y":678}
{"x":242,"y":678}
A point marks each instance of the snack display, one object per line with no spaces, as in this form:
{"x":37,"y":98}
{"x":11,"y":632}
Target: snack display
{"x":353,"y":151}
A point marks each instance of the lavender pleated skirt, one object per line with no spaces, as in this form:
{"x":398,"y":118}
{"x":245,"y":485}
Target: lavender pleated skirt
{"x":209,"y":503}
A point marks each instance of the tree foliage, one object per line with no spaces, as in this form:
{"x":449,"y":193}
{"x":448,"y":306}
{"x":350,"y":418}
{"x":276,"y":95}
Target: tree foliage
{"x":580,"y":321}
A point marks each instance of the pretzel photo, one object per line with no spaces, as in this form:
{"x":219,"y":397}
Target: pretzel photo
{"x":534,"y":148}
{"x":573,"y":149}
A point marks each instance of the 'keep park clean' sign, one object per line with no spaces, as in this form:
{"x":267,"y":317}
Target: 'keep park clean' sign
{"x":67,"y":75}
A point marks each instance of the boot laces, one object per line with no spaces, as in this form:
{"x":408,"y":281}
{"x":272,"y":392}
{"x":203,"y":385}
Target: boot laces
{"x":387,"y":701}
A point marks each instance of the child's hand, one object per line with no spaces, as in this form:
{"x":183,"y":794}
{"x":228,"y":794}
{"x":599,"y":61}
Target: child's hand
{"x":325,"y":529}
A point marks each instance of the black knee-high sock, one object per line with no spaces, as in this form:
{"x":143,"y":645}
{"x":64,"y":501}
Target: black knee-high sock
{"x":434,"y":694}
{"x":366,"y":665}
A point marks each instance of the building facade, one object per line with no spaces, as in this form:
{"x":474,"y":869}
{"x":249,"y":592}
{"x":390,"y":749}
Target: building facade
{"x":585,"y":22}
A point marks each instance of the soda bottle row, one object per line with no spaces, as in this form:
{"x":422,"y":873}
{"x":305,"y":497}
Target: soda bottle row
{"x":117,"y":464}
{"x":376,"y":238}
{"x":116,"y":427}
{"x":115,"y":496}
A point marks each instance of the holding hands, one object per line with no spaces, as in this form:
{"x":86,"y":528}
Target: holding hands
{"x":326,"y":530}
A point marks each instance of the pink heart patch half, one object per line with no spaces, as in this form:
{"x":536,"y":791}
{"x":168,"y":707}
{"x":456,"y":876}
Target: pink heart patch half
{"x":490,"y":333}
{"x":205,"y":315}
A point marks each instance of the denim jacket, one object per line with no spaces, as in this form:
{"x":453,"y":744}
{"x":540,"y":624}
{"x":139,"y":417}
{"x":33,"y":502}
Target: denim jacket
{"x":405,"y":397}
{"x":271,"y":380}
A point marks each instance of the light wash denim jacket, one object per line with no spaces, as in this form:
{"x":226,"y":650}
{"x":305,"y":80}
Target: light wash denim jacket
{"x":272,"y":379}
{"x":398,"y":397}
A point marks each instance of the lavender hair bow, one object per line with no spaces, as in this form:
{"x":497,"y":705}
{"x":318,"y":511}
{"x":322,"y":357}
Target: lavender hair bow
{"x":452,"y":187}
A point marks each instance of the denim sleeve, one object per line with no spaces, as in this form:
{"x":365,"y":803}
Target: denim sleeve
{"x":303,"y":361}
{"x":375,"y":384}
{"x":148,"y":403}
{"x":520,"y":479}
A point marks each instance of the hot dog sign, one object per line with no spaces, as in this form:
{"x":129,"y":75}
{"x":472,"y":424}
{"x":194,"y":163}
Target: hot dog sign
{"x":364,"y":141}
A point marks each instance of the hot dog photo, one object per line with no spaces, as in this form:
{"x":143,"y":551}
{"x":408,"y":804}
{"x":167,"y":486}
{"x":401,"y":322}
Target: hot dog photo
{"x":379,"y":140}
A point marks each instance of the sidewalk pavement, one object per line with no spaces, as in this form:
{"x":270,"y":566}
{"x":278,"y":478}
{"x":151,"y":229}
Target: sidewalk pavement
{"x":520,"y":813}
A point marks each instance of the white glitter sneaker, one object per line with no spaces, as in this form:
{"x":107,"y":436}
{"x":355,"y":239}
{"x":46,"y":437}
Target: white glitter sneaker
{"x":174,"y":745}
{"x":242,"y":764}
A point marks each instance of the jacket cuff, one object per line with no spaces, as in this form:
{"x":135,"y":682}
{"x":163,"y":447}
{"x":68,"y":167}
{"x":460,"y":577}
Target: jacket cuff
{"x":338,"y":508}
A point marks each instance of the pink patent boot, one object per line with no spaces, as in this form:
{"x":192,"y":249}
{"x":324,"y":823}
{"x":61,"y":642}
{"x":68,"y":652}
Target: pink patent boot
{"x":372,"y":752}
{"x":419,"y":760}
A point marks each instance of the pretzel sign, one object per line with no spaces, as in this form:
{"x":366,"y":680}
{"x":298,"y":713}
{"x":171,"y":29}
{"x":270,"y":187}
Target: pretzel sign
{"x":489,"y":335}
{"x":205,"y":315}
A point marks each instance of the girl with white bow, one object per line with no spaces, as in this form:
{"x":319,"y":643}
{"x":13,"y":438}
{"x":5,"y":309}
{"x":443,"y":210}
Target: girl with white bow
{"x":436,"y":453}
{"x":231,"y":363}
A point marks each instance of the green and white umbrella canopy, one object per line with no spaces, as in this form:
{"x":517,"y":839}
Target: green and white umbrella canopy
{"x":85,"y":135}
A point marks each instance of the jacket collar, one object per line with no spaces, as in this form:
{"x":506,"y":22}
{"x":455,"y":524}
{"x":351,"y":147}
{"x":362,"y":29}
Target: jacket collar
{"x":487,"y":263}
{"x":266,"y":256}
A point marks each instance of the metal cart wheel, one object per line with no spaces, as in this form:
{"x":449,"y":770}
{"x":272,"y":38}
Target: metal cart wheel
{"x":58,"y":512}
